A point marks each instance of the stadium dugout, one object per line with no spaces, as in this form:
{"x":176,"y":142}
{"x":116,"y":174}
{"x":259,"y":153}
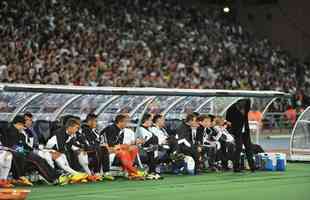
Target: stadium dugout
{"x":51,"y":103}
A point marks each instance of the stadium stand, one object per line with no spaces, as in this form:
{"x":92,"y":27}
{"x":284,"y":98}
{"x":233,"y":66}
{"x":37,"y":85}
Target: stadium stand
{"x":133,"y":44}
{"x":139,"y":43}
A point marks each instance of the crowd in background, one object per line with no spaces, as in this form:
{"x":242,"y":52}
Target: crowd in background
{"x":139,"y":43}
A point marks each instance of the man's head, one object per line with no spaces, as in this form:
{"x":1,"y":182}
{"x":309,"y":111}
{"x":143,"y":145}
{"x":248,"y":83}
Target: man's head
{"x":212,"y":117}
{"x":121,"y":121}
{"x":243,"y":105}
{"x":147,"y":120}
{"x":205,"y":121}
{"x":191,"y":120}
{"x":72,"y":126}
{"x":219,"y":121}
{"x":159,"y":120}
{"x":28,"y":119}
{"x":91,"y":120}
{"x":19,"y":122}
{"x":240,"y":107}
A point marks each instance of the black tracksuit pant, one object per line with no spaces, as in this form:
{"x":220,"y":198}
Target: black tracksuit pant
{"x":152,"y":161}
{"x":101,"y":158}
{"x":191,"y":151}
{"x":243,"y":139}
{"x":226,"y":153}
{"x":22,"y":162}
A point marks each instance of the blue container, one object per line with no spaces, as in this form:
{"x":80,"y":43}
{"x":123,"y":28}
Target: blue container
{"x":269,"y":165}
{"x":269,"y":162}
{"x":280,"y":162}
{"x":281,"y":165}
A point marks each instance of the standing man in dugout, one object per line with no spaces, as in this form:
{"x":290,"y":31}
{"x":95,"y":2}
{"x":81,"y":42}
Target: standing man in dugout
{"x":238,"y":116}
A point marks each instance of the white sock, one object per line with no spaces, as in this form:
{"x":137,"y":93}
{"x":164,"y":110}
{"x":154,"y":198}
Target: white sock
{"x":83,"y":160}
{"x":112,"y":157}
{"x":5,"y":164}
{"x":63,"y":163}
{"x":156,"y":153}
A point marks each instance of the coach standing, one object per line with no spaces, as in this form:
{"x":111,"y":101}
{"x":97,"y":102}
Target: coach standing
{"x":238,"y":116}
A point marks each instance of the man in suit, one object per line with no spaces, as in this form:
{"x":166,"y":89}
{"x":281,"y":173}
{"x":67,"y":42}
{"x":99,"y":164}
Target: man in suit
{"x":187,"y":138}
{"x":29,"y":130}
{"x":33,"y":141}
{"x":237,"y":115}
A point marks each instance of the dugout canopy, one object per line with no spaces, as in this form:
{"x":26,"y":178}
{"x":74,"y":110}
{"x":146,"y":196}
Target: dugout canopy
{"x":300,"y":138}
{"x":51,"y":102}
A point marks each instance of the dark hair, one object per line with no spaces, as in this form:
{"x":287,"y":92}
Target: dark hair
{"x":28,"y":114}
{"x":203,"y":117}
{"x":244,"y":104}
{"x":157,"y":117}
{"x":72,"y":122}
{"x":90,"y":116}
{"x":145,"y":117}
{"x":18,"y":119}
{"x":196,"y":114}
{"x":120,"y":118}
{"x":191,"y":116}
{"x":65,"y":118}
{"x":212,"y":117}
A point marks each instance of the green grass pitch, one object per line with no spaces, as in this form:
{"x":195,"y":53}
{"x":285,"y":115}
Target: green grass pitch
{"x":292,"y":184}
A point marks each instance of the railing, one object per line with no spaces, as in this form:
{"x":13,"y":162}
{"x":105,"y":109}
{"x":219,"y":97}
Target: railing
{"x":276,"y":121}
{"x":273,"y":133}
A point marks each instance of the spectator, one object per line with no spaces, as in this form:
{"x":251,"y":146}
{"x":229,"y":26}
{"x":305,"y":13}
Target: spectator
{"x":145,"y":43}
{"x":291,"y":115}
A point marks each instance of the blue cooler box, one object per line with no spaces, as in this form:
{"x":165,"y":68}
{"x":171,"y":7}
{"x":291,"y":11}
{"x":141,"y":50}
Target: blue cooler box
{"x":281,"y":161}
{"x":271,"y":161}
{"x":268,"y":161}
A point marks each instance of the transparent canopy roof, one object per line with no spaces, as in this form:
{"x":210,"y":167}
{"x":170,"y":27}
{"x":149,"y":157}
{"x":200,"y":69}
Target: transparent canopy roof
{"x":10,"y":102}
{"x":161,"y":103}
{"x":84,"y":104}
{"x":52,"y":102}
{"x":46,"y":106}
{"x":184,"y":105}
{"x":122,"y":104}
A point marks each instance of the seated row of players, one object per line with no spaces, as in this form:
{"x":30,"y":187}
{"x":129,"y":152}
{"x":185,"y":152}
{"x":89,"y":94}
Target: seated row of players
{"x":78,"y":151}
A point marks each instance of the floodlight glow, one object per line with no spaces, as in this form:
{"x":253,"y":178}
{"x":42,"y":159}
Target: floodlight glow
{"x":226,"y":9}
